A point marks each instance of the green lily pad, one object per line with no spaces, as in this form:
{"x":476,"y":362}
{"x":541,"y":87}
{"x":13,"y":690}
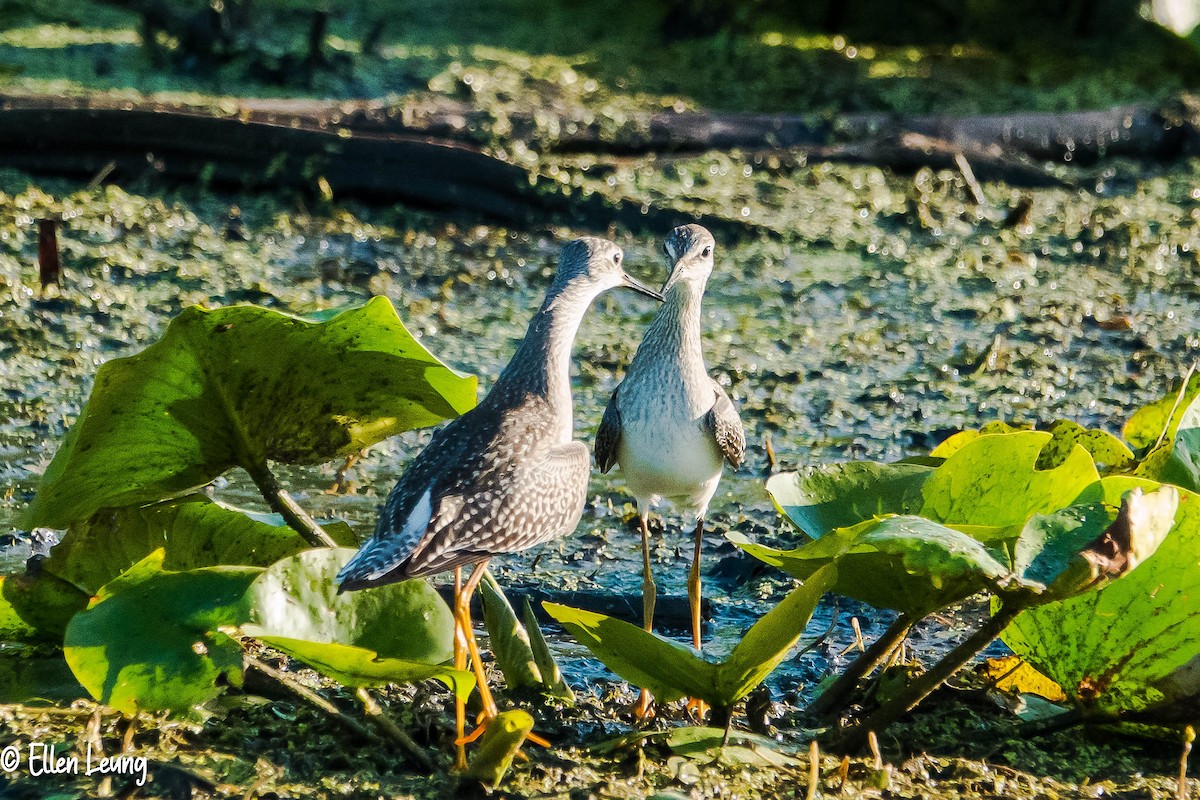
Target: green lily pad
{"x":37,"y":607}
{"x":1176,"y":459}
{"x":238,"y":386}
{"x":194,"y":532}
{"x":956,"y":442}
{"x":391,"y":634}
{"x":993,"y":480}
{"x":905,"y":563}
{"x":671,"y":671}
{"x":1115,"y":649}
{"x":1159,"y":421}
{"x":1108,"y":452}
{"x":298,"y":598}
{"x":821,"y":498}
{"x":150,"y":640}
{"x":361,"y":667}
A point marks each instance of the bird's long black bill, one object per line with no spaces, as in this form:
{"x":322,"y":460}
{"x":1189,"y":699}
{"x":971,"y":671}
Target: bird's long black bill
{"x":638,"y":286}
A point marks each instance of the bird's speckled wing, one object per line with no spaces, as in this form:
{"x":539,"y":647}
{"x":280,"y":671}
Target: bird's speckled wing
{"x":608,"y":437}
{"x":427,"y":497}
{"x":537,"y":500}
{"x":723,"y":422}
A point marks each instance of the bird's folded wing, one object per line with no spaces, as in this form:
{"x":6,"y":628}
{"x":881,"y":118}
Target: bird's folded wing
{"x":725,"y":426}
{"x":608,"y":437}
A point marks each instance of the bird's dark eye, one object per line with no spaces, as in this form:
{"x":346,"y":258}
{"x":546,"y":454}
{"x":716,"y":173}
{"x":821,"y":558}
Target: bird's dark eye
{"x":617,"y":259}
{"x":706,"y":252}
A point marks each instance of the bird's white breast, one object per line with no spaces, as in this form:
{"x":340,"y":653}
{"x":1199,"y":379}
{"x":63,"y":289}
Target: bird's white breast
{"x":671,"y":456}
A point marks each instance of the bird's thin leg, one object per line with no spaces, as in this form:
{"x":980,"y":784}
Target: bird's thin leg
{"x":644,"y":708}
{"x":464,"y":614}
{"x":460,"y":662}
{"x":694,"y":586}
{"x":695,"y":705}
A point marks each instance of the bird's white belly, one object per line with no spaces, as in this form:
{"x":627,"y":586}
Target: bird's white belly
{"x":680,"y":462}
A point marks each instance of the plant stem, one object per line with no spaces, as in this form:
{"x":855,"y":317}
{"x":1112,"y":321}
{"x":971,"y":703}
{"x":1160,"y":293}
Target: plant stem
{"x":282,"y":503}
{"x":921,"y":687}
{"x":302,"y":691}
{"x":834,"y":697}
{"x":392,"y":730}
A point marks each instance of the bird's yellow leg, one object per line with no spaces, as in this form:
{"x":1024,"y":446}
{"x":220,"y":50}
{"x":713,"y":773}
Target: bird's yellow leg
{"x":463,"y":613}
{"x":695,"y":705}
{"x":645,"y":705}
{"x":460,"y":662}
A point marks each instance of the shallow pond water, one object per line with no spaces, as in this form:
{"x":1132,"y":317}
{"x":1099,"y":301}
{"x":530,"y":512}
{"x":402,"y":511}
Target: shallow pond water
{"x":882,"y":314}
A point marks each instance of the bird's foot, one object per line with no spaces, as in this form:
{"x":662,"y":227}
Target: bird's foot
{"x":643,"y":708}
{"x":481,"y":724}
{"x":697,"y":709}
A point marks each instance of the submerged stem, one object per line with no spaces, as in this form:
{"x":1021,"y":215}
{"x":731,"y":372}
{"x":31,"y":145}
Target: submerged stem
{"x":922,"y":686}
{"x":840,"y":689}
{"x":282,"y":503}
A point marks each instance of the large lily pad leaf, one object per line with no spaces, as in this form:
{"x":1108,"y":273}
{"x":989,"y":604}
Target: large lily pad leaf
{"x":1108,"y":452}
{"x":1117,"y":649}
{"x":1159,"y":421}
{"x":668,"y":669}
{"x":821,"y":498}
{"x":298,"y":598}
{"x":360,"y":667}
{"x":905,"y":563}
{"x":994,"y":480}
{"x":150,"y":640}
{"x":395,"y":633}
{"x":194,"y":532}
{"x":1176,"y":458}
{"x":671,"y":670}
{"x":955,"y":442}
{"x":36,"y":608}
{"x":237,"y":386}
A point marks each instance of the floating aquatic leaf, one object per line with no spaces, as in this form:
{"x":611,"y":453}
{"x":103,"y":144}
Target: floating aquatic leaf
{"x":238,"y":386}
{"x":499,"y":746}
{"x":1108,"y":452}
{"x":993,"y":480}
{"x":150,"y":641}
{"x":819,"y":499}
{"x":1117,"y":648}
{"x":905,"y":563}
{"x":37,"y":607}
{"x":1158,"y":421}
{"x":955,"y":442}
{"x":670,"y":670}
{"x":390,"y":634}
{"x":1176,"y":459}
{"x":194,"y":531}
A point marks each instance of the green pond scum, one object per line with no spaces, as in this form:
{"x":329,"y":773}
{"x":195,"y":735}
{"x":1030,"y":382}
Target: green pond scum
{"x":854,"y":314}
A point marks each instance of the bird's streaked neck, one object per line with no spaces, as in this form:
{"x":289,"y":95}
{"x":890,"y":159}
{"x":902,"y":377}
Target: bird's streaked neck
{"x":542,"y":364}
{"x":676,"y":328}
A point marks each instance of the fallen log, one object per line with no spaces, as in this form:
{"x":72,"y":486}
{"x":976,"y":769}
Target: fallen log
{"x":428,"y":152}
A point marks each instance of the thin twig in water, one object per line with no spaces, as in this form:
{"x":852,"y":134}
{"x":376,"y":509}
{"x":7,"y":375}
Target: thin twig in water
{"x":1187,"y":378}
{"x":814,"y":770}
{"x":1189,"y":735}
{"x":392,"y":730}
{"x":302,"y":691}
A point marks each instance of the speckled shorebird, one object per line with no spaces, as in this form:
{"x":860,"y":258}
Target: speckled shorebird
{"x":668,"y":424}
{"x":506,"y":475}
